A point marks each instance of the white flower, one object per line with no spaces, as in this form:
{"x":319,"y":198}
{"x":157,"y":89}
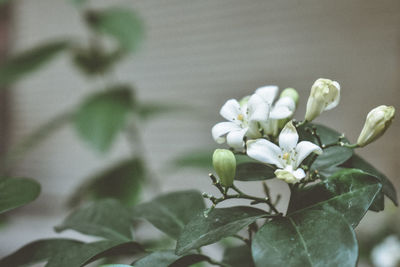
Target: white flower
{"x":282,"y":109}
{"x":325,"y":95}
{"x":287,"y":156}
{"x":387,"y":253}
{"x":243,"y":120}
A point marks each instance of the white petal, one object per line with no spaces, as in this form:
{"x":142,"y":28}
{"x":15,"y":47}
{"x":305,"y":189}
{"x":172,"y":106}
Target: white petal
{"x":264,"y":151}
{"x":336,"y":99}
{"x":230,"y":110}
{"x":258,"y":109}
{"x":283,"y":108}
{"x":254,"y":130}
{"x":222,"y":128}
{"x":299,"y":173}
{"x":290,"y":176}
{"x":268,"y":93}
{"x":303,"y":149}
{"x":288,"y":137}
{"x":235,"y":138}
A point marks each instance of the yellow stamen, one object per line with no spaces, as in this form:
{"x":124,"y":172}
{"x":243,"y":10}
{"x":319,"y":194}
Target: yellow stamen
{"x":286,"y":156}
{"x":240,"y":117}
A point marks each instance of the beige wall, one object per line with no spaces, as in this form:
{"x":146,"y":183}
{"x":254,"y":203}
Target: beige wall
{"x":201,"y":53}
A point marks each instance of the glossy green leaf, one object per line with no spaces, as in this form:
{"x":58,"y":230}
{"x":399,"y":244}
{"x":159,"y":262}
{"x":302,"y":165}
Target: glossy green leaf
{"x":122,"y":24}
{"x":115,"y":265}
{"x":170,"y":259}
{"x":171,"y":212}
{"x":86,"y":253}
{"x":302,"y":239}
{"x":387,"y":187}
{"x":105,"y":218}
{"x":22,"y":64}
{"x":38,"y":251}
{"x":252,"y":171}
{"x":331,"y":156}
{"x":219,"y":223}
{"x":238,"y":256}
{"x":16,"y":192}
{"x":349,"y":192}
{"x":101,"y":116}
{"x":123,"y":182}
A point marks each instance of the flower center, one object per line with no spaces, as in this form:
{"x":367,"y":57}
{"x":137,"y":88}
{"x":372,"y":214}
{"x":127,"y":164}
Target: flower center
{"x":286,"y":156}
{"x":240,"y":117}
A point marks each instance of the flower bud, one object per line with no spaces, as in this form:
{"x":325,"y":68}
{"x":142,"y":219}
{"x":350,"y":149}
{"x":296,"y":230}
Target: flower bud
{"x":325,"y":95}
{"x":224,"y":163}
{"x":292,"y":93}
{"x":378,"y":120}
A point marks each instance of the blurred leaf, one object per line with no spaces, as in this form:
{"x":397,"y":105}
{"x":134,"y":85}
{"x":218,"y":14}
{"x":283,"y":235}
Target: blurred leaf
{"x":95,"y":61}
{"x":115,"y":265}
{"x":103,"y":115}
{"x":331,"y":156}
{"x":38,"y":251}
{"x":122,"y":24}
{"x":150,"y":110}
{"x":252,"y":171}
{"x":37,"y":136}
{"x":238,"y":256}
{"x":16,"y":192}
{"x":106,"y":218}
{"x":349,"y":192}
{"x":86,"y":253}
{"x":20,"y":65}
{"x":170,"y":259}
{"x":78,"y":3}
{"x":123,"y":182}
{"x":195,"y":159}
{"x":301,"y":240}
{"x":387,"y":187}
{"x":219,"y":223}
{"x":3,"y":2}
{"x":171,"y":212}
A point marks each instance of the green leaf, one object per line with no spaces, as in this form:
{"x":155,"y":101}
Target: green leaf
{"x":3,"y":2}
{"x":122,"y":24}
{"x":21,"y":65}
{"x":150,"y":110}
{"x":170,"y":259}
{"x":331,"y":156}
{"x":115,"y":265}
{"x":219,"y":223}
{"x":171,"y":212}
{"x":252,"y":171}
{"x":38,"y":251}
{"x":105,"y":218}
{"x":387,"y":187}
{"x":103,"y":115}
{"x":16,"y":192}
{"x":86,"y":253}
{"x":195,"y":159}
{"x":301,"y":240}
{"x":349,"y":192}
{"x":238,"y":256}
{"x":123,"y":182}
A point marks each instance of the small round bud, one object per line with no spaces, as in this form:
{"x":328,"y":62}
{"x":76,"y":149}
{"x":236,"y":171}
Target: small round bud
{"x":377,"y":122}
{"x":325,"y":95}
{"x":224,"y":163}
{"x":292,"y":93}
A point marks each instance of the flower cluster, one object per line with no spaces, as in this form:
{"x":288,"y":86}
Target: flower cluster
{"x":262,"y":126}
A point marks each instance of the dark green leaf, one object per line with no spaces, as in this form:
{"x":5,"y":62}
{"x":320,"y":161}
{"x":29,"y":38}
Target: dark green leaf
{"x":115,"y":265}
{"x":252,"y":171}
{"x":151,"y":110}
{"x":301,"y":240}
{"x":170,"y":259}
{"x":16,"y":192}
{"x":38,"y":251}
{"x":171,"y":212}
{"x":103,"y":115}
{"x":22,"y":64}
{"x":123,"y":182}
{"x":86,"y":253}
{"x":219,"y":223}
{"x":122,"y":24}
{"x":387,"y":187}
{"x":331,"y":156}
{"x":349,"y":192}
{"x":238,"y":256}
{"x":105,"y":218}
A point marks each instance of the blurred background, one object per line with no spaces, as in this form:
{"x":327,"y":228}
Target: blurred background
{"x":197,"y":54}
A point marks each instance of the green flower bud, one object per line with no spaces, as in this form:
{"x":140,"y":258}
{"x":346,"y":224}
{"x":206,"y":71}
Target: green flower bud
{"x":286,"y":176}
{"x":224,"y":162}
{"x":325,"y":95}
{"x":292,"y":93}
{"x":377,"y":122}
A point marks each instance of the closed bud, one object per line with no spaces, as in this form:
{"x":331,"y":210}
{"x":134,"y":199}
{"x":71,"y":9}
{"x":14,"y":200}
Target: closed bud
{"x":224,"y":163}
{"x":378,"y":120}
{"x":292,"y":93}
{"x":325,"y":95}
